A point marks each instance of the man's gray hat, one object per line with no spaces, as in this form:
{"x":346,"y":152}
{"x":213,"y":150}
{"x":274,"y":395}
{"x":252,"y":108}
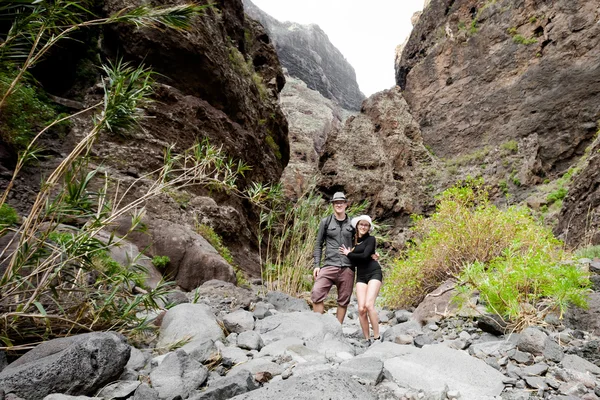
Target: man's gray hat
{"x":338,"y":196}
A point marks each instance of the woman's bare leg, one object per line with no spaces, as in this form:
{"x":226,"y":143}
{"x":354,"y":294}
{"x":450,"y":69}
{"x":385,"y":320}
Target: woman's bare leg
{"x":361,"y":298}
{"x":371,"y":295}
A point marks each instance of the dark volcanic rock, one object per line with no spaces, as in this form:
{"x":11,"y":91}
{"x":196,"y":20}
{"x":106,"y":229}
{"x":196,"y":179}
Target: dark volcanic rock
{"x":483,"y":73}
{"x":579,"y":218}
{"x":307,"y":53}
{"x":75,"y":365}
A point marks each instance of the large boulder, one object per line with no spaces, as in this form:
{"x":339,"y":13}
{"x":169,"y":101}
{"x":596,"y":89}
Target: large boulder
{"x":77,"y":365}
{"x":331,"y":385}
{"x":178,"y":375}
{"x":192,"y":260}
{"x":435,"y":369}
{"x":189,"y":322}
{"x":311,"y":327}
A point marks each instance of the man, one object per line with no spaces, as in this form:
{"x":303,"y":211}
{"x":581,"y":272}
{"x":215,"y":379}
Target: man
{"x":334,"y":231}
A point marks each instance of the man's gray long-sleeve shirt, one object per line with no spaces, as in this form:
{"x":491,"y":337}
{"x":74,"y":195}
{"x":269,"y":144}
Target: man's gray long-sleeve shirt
{"x":332,"y":235}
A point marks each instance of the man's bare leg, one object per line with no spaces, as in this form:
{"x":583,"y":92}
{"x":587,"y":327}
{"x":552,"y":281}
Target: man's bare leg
{"x":341,"y":313}
{"x":319,"y":307}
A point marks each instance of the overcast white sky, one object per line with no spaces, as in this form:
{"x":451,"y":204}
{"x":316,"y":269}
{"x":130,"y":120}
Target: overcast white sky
{"x":366,"y":32}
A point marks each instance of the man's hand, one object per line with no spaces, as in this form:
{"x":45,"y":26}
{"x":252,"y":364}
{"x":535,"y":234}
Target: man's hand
{"x":316,"y":272}
{"x":375,"y":256}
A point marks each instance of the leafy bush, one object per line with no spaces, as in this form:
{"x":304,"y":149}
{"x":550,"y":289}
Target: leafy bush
{"x":160,"y":262}
{"x":557,"y":195}
{"x":8,"y":216}
{"x":26,"y":112}
{"x":511,"y":146}
{"x":520,"y":39}
{"x":471,"y":240}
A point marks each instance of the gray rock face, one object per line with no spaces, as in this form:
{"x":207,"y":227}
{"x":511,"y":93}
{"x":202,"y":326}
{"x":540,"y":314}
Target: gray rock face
{"x":469,"y":88}
{"x":332,"y":385}
{"x":193,"y":322}
{"x":307,"y":53}
{"x":178,"y":375}
{"x":368,"y":369}
{"x":75,"y":365}
{"x":388,"y":165}
{"x":311,"y":118}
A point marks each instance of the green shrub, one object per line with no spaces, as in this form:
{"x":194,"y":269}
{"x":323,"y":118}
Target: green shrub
{"x":26,"y":112}
{"x":557,"y":195}
{"x":520,"y":39}
{"x":467,"y":231}
{"x":160,"y":262}
{"x":503,"y":186}
{"x":511,"y":146}
{"x":8,"y":216}
{"x":274,"y":146}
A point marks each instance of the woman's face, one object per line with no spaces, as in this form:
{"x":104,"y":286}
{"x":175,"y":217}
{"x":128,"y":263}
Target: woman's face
{"x":363,"y":227}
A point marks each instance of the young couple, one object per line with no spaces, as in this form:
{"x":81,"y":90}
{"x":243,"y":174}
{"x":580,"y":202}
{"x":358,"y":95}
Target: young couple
{"x":348,"y":246}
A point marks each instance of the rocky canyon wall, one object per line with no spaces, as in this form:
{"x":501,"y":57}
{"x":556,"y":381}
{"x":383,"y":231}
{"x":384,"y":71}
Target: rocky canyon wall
{"x":482,"y":73}
{"x":306,"y":52}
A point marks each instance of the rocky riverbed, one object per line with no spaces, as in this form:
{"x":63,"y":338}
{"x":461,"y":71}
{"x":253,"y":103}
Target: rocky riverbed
{"x":223,"y":341}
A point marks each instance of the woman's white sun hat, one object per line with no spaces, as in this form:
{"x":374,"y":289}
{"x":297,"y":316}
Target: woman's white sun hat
{"x":355,"y":220}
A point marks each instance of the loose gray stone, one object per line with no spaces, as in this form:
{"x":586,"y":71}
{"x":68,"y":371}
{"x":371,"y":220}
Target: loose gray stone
{"x":403,"y":316}
{"x":331,"y":385}
{"x":403,"y":339}
{"x":119,"y":389}
{"x":145,"y":392}
{"x":137,"y":359}
{"x":572,"y":361}
{"x":535,"y":370}
{"x":279,"y":347}
{"x":250,"y":340}
{"x":192,"y":322}
{"x":228,"y":387}
{"x":57,"y":396}
{"x":258,"y":365}
{"x":368,"y":369}
{"x":262,"y":310}
{"x":552,"y":350}
{"x":522,"y":358}
{"x":532,"y":341}
{"x":422,"y":340}
{"x":239,"y":321}
{"x":75,"y":365}
{"x":232,"y":356}
{"x":536,"y":382}
{"x":495,"y":348}
{"x":286,"y":303}
{"x":178,"y":375}
{"x":412,"y":328}
{"x":201,"y":351}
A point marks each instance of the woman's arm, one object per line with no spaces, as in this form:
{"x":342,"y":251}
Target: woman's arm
{"x":365,"y":252}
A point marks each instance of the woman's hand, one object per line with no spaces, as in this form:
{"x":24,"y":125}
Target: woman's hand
{"x":345,"y":250}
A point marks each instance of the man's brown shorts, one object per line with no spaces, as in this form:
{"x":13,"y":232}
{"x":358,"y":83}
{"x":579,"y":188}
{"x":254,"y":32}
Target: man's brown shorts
{"x":342,"y":278}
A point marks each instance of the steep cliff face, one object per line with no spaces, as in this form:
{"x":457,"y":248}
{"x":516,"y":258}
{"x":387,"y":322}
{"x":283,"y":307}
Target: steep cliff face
{"x":379,"y":156}
{"x":579,"y":218}
{"x":311,"y":118}
{"x":484,"y":73}
{"x":219,"y":81}
{"x":307,"y":54}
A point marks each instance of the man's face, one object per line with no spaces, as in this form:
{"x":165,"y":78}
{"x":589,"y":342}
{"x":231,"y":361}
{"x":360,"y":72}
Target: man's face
{"x":339,"y":206}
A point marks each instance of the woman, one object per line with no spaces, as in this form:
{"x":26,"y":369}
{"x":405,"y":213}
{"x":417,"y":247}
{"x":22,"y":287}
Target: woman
{"x":368,"y":274}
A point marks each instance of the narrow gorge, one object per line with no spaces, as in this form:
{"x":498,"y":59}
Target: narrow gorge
{"x":147,"y":236}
